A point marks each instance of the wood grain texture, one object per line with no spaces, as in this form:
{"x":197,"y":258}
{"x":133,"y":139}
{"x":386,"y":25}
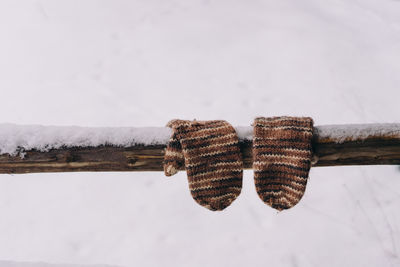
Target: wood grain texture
{"x":375,"y":150}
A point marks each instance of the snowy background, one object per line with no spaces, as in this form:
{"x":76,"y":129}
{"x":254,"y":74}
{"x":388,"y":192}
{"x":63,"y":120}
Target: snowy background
{"x":141,"y":63}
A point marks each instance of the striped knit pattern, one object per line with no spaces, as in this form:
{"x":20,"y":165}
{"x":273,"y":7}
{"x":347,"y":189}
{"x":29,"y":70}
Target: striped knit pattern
{"x":282,"y":159}
{"x":210,"y":152}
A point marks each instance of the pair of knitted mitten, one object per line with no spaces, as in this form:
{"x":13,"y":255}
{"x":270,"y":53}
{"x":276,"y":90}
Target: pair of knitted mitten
{"x":282,"y":159}
{"x":210,"y":152}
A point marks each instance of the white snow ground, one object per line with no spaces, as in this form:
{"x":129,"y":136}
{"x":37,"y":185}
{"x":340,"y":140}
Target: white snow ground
{"x":141,"y":63}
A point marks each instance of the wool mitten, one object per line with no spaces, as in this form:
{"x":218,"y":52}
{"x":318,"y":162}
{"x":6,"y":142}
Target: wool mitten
{"x":210,"y":152}
{"x":282,"y":159}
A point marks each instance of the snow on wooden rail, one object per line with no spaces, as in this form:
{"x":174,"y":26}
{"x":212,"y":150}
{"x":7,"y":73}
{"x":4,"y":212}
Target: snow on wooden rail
{"x":32,"y":149}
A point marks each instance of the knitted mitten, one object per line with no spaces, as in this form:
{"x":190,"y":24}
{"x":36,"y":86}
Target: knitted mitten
{"x":211,"y":155}
{"x":282,"y":159}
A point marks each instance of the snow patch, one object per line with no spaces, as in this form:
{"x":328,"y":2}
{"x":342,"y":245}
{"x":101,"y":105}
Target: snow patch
{"x":244,"y":132}
{"x":351,"y":132}
{"x":15,"y":139}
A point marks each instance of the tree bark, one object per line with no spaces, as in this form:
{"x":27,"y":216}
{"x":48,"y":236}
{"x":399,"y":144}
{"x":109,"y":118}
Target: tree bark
{"x":374,"y":150}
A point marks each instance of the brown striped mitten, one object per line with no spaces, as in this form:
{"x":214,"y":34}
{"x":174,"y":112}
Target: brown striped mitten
{"x":210,"y":152}
{"x":282,"y":159}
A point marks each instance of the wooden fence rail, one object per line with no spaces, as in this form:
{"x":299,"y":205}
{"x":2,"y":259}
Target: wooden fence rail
{"x":373,"y":146}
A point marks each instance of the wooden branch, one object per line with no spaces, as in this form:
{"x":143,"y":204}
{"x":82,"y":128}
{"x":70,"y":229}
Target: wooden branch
{"x":328,"y":151}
